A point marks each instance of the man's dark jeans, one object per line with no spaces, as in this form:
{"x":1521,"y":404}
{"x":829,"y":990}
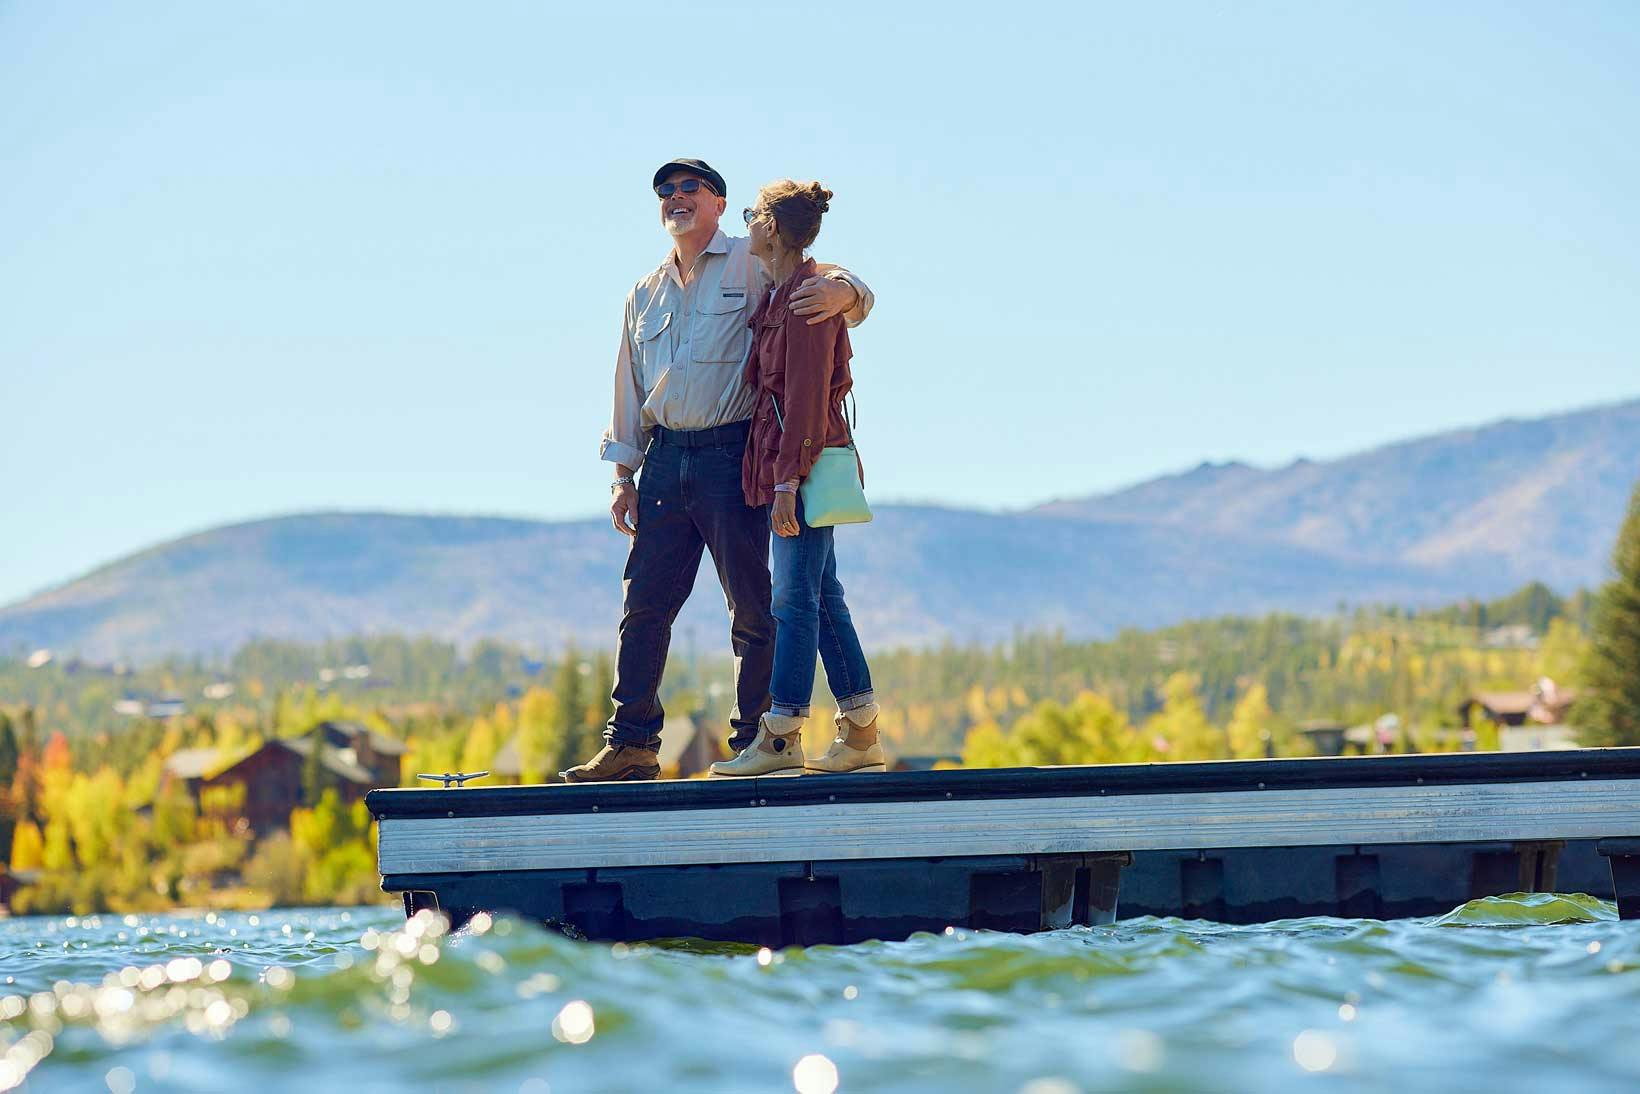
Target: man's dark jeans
{"x":689,"y":499}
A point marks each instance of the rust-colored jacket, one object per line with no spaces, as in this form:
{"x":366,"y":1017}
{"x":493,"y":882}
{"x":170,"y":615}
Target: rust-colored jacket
{"x":806,"y":369}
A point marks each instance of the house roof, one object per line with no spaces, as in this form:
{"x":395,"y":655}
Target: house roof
{"x":676,"y":736}
{"x":1541,"y":704}
{"x":191,"y":763}
{"x":379,"y":742}
{"x":338,"y":762}
{"x":1506,"y":702}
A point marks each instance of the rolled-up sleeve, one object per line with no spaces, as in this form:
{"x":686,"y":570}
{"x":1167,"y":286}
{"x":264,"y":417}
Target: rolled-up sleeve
{"x":626,"y":438}
{"x":862,"y":307}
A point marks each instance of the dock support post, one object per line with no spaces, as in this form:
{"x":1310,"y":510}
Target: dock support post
{"x":1098,"y":886}
{"x":1624,"y":856}
{"x":1201,"y":887}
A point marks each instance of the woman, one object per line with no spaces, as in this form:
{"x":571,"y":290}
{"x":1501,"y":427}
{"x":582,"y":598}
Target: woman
{"x":801,"y":374}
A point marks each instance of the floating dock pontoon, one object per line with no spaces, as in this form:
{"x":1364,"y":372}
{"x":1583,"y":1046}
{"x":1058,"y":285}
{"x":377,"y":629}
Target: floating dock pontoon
{"x":828,"y":858}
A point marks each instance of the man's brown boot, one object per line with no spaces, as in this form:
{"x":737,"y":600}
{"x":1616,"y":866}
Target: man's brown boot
{"x":616,"y":764}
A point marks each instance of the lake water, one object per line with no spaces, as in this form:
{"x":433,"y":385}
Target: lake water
{"x":1510,"y":993}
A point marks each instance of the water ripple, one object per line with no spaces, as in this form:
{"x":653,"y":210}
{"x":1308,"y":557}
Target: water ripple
{"x":1490,"y":995}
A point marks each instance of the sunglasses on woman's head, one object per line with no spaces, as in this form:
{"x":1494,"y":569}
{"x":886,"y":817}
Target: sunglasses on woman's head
{"x":688,"y":186}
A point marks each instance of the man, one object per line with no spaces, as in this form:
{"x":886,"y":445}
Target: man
{"x":682,"y":413}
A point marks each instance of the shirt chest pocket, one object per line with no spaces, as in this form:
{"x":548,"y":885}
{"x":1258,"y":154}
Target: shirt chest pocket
{"x":654,"y":354}
{"x":720,"y":332}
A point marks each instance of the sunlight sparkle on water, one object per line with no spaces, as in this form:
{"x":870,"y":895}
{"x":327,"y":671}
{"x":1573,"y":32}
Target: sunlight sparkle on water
{"x":814,"y":1075}
{"x":574,"y":1024}
{"x":1314,"y":1050}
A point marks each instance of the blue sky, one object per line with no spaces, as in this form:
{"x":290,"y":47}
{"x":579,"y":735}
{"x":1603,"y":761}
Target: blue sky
{"x":259,"y":258}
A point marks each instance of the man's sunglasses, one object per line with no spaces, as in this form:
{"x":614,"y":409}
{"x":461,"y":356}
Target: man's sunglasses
{"x":688,"y":186}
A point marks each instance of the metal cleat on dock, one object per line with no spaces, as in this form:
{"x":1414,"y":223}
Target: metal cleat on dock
{"x":454,"y":778}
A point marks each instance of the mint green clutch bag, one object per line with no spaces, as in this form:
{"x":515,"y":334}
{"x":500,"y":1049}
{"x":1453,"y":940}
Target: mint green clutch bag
{"x":832,"y":493}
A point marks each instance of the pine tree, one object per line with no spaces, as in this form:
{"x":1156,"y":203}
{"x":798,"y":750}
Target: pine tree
{"x":598,"y":704}
{"x":9,"y":752}
{"x":1609,"y":712}
{"x":576,"y":745}
{"x":313,"y":767}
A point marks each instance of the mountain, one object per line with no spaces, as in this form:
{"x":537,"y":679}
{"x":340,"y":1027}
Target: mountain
{"x":1470,"y":513}
{"x":1527,"y":500}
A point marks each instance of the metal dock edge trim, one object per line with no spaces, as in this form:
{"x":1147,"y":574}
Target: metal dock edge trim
{"x":1581,"y":809}
{"x":1007,"y":784}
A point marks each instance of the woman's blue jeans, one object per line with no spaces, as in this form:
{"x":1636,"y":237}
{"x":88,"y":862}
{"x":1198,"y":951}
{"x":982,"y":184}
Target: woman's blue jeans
{"x":810,"y":616}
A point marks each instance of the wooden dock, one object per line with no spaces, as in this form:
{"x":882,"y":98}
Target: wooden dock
{"x":844,"y":858}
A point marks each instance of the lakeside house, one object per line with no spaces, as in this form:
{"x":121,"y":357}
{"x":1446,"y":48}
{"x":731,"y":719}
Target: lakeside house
{"x":1544,"y":703}
{"x":354,"y":758}
{"x":1327,"y":738}
{"x":689,"y":748}
{"x":9,"y":884}
{"x":1532,"y":720}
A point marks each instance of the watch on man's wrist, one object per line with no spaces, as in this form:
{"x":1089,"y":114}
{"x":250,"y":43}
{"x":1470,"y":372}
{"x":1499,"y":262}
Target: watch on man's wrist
{"x":623,"y":480}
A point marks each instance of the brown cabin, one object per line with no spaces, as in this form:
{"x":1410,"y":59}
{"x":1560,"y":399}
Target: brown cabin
{"x":688,"y":748}
{"x":9,"y":884}
{"x":1544,"y":704}
{"x":355,"y":760}
{"x":377,"y":753}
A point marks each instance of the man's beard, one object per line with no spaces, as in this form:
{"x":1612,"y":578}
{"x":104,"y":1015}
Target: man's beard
{"x":680,"y":225}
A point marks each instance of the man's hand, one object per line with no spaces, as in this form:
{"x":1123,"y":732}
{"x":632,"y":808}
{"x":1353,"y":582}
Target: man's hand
{"x":624,"y":509}
{"x":783,"y":518}
{"x":820,"y":298}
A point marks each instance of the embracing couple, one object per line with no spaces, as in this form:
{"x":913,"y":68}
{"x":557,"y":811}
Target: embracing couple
{"x":729,"y":384}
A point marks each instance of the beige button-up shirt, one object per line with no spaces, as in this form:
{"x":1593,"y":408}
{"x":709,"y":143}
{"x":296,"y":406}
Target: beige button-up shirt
{"x":682,"y":346}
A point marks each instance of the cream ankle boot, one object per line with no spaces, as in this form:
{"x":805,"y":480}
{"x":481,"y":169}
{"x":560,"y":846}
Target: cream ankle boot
{"x":856,"y":747}
{"x":776,"y":750}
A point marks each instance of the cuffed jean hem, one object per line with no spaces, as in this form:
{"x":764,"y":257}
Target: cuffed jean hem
{"x":631,"y":738}
{"x":853,"y":702}
{"x":856,"y":701}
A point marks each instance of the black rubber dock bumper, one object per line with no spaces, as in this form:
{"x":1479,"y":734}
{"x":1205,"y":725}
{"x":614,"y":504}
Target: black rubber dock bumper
{"x":824,"y":859}
{"x":1625,"y":859}
{"x":792,"y":904}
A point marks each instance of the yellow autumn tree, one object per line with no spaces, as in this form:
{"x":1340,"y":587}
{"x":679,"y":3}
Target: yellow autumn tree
{"x":987,"y":746}
{"x":1180,"y":730}
{"x":27,"y":846}
{"x":480,"y":746}
{"x":1249,"y":723}
{"x":540,"y":731}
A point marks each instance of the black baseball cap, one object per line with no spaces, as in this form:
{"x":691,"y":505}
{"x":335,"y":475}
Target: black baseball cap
{"x":699,"y":167}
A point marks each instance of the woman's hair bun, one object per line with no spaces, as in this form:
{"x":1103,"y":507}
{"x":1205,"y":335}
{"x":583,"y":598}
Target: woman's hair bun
{"x":797,"y":208}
